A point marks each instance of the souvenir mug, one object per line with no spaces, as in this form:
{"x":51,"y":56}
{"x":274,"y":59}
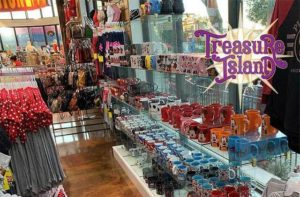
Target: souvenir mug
{"x":204,"y":134}
{"x":182,"y":171}
{"x":160,"y":106}
{"x":193,"y":130}
{"x":228,"y":189}
{"x":266,"y":127}
{"x":165,"y":114}
{"x":214,"y":136}
{"x":153,"y":104}
{"x":226,"y":173}
{"x":254,"y":118}
{"x":206,"y":190}
{"x":195,"y":166}
{"x":239,"y":124}
{"x":208,"y":115}
{"x":217,"y":113}
{"x":223,"y":140}
{"x":232,"y":147}
{"x":195,"y":179}
{"x":175,"y":165}
{"x":200,"y":183}
{"x":217,"y":193}
{"x":171,"y":112}
{"x":195,"y":105}
{"x":226,"y":113}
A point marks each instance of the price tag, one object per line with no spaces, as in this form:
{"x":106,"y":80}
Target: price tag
{"x":95,"y":56}
{"x":100,"y":58}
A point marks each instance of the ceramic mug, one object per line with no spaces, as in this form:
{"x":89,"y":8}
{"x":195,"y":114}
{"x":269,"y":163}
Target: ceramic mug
{"x":239,"y":124}
{"x":181,"y":173}
{"x":214,"y":136}
{"x":193,"y":130}
{"x":195,"y":166}
{"x":226,"y":113}
{"x":204,"y":134}
{"x":195,"y":179}
{"x":206,"y":190}
{"x":226,"y":173}
{"x":232,"y":147}
{"x":266,"y":127}
{"x":175,"y":165}
{"x":208,"y":115}
{"x":217,"y":113}
{"x":223,"y":140}
{"x":165,"y":114}
{"x":170,"y":112}
{"x":217,"y":193}
{"x":254,"y":118}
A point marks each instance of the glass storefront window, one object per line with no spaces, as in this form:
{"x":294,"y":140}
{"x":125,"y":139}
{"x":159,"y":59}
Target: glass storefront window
{"x":257,"y":14}
{"x":22,"y":36}
{"x":5,"y":15}
{"x":47,"y":12}
{"x":34,"y":14}
{"x":50,"y":34}
{"x":19,"y":15}
{"x":37,"y":36}
{"x":8,"y":38}
{"x":55,"y":8}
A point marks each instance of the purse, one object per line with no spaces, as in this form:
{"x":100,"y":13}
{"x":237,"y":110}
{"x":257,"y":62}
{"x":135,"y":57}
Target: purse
{"x":73,"y":103}
{"x":77,"y":31}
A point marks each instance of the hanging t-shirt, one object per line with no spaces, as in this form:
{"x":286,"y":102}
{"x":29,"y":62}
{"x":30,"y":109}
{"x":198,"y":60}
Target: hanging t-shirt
{"x":117,"y":13}
{"x":110,"y":14}
{"x":284,"y":108}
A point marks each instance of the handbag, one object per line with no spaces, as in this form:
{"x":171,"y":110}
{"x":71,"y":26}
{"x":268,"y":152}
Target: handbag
{"x":73,"y":104}
{"x":166,"y":7}
{"x":88,"y":29}
{"x":178,"y":7}
{"x":77,"y":31}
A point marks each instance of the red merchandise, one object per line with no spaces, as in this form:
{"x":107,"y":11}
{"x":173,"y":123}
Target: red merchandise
{"x":23,"y":110}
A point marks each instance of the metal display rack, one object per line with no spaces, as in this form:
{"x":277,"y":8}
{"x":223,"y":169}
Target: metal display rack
{"x":83,"y":122}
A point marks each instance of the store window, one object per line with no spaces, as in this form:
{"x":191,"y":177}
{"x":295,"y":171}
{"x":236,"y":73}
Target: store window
{"x":55,"y":8}
{"x":50,"y":34}
{"x":8,"y":38}
{"x":22,"y":36}
{"x":37,"y":36}
{"x":5,"y":15}
{"x":34,"y":14}
{"x":47,"y":12}
{"x":19,"y":15}
{"x":257,"y":14}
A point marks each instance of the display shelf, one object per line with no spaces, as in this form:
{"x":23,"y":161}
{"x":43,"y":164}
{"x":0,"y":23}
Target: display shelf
{"x":159,"y":71}
{"x":135,"y":173}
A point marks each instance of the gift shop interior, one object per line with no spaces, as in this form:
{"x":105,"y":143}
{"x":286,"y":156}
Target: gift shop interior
{"x":149,"y":98}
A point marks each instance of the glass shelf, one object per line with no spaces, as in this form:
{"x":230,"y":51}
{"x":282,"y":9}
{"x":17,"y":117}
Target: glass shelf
{"x":260,"y":175}
{"x":177,"y":73}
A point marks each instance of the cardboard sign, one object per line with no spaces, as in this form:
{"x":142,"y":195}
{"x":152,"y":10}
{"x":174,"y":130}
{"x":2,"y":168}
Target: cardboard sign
{"x":21,"y":5}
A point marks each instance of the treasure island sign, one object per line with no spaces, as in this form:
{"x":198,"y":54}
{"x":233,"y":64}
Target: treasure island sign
{"x":21,"y":5}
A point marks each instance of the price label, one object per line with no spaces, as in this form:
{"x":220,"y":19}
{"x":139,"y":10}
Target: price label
{"x":100,"y":58}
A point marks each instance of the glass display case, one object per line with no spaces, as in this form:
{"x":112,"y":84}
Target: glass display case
{"x":152,"y":104}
